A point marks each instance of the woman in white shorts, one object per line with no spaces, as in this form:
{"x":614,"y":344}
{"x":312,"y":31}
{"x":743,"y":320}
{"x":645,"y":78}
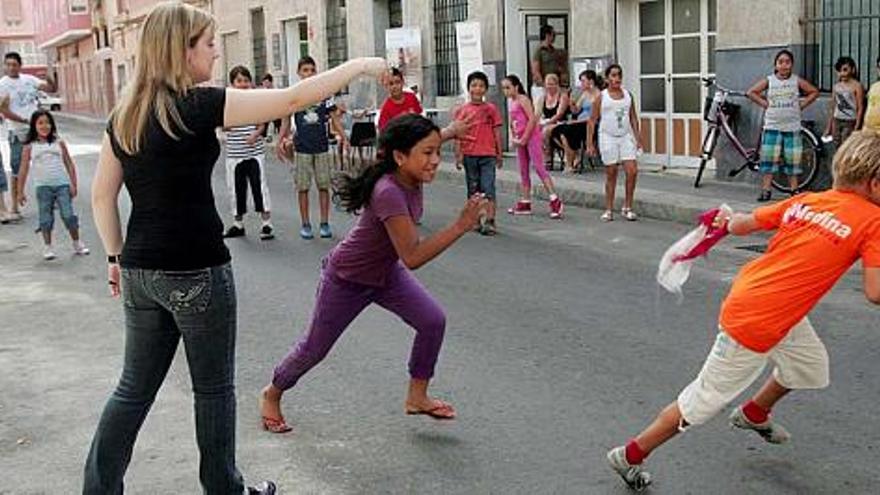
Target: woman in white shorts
{"x":619,"y":139}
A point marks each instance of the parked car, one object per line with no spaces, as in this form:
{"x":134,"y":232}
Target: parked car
{"x":49,"y":102}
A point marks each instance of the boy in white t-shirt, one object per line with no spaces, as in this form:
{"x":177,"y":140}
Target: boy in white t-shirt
{"x":21,"y":91}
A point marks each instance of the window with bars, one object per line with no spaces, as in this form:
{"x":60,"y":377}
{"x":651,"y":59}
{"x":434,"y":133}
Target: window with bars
{"x":337,"y":35}
{"x":446,"y":14}
{"x":835,"y":28}
{"x":395,"y":14}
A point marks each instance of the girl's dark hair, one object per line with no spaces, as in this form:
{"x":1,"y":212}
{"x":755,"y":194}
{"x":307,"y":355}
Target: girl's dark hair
{"x":516,"y":83}
{"x":401,"y":134}
{"x":32,"y":130}
{"x":611,"y":68}
{"x":843,"y":61}
{"x":591,"y":75}
{"x":782,"y":52}
{"x":395,"y":72}
{"x":239,"y":70}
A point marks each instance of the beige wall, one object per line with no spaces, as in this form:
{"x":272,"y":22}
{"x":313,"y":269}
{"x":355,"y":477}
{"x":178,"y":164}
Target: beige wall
{"x":592,"y":28}
{"x":769,"y":23}
{"x":488,"y":13}
{"x":234,"y":16}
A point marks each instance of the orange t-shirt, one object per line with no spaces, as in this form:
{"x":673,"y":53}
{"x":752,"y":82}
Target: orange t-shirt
{"x":819,"y":237}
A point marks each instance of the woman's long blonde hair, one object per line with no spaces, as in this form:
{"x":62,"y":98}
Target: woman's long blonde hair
{"x":161,"y":73}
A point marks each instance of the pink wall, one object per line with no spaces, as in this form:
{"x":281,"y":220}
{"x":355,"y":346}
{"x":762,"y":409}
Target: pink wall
{"x":53,"y":17}
{"x":25,"y":28}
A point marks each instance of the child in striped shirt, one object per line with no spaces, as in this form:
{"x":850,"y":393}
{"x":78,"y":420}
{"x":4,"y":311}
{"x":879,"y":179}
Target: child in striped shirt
{"x":245,"y":156}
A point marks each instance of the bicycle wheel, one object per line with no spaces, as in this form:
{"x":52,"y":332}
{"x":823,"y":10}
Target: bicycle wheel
{"x":708,"y":148}
{"x":809,"y":165}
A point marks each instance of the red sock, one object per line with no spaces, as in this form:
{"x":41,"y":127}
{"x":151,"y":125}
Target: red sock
{"x":634,"y":453}
{"x":755,"y":413}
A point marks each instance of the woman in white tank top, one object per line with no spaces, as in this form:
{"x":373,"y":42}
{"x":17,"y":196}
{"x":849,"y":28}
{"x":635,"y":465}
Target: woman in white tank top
{"x":619,"y":139}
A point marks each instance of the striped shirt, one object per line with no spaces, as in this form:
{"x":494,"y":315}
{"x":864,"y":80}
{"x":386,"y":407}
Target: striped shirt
{"x":237,"y":147}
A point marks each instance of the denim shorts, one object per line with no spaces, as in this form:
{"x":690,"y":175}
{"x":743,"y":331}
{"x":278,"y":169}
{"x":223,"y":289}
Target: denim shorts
{"x":15,"y":148}
{"x":480,"y":175}
{"x":4,"y":185}
{"x":781,"y":149}
{"x":47,"y":198}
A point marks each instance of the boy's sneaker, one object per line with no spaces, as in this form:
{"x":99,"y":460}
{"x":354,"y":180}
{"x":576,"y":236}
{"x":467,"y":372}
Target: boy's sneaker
{"x":521,"y":208}
{"x":325,"y":231}
{"x":263,"y":488}
{"x":266,"y":233}
{"x":632,"y":475}
{"x":48,"y":253}
{"x":306,"y":232}
{"x":80,"y":248}
{"x":487,"y":227}
{"x":234,"y":231}
{"x":556,"y":208}
{"x":771,"y":432}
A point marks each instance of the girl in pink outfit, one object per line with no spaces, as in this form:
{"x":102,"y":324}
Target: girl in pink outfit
{"x":527,"y":140}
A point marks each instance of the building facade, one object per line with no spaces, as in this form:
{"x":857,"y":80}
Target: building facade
{"x":17,"y":35}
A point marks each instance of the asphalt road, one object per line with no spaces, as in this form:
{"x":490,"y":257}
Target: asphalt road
{"x":559,"y":345}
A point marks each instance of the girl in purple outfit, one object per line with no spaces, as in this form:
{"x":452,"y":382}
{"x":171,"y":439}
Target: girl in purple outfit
{"x":372,"y":265}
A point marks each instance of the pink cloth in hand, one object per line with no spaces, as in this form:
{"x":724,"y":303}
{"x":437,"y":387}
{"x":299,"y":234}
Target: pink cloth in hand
{"x":713,"y":235}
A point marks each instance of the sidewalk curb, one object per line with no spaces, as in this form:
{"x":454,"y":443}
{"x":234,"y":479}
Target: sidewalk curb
{"x":649,"y":203}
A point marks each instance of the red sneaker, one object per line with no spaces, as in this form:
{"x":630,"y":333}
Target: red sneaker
{"x":521,"y":208}
{"x":556,"y":208}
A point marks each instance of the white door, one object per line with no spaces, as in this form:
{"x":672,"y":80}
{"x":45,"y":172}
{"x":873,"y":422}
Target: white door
{"x":675,"y":50}
{"x":296,"y":45}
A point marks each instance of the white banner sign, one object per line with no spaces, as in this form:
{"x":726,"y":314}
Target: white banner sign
{"x":470,"y":50}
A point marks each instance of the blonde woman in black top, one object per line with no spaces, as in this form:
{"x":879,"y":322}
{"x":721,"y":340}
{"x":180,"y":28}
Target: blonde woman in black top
{"x":174,"y":270}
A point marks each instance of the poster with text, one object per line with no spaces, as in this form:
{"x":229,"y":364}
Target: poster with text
{"x":470,"y":50}
{"x":403,"y":50}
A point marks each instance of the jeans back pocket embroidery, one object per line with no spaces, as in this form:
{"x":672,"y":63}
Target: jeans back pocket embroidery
{"x":183,"y":292}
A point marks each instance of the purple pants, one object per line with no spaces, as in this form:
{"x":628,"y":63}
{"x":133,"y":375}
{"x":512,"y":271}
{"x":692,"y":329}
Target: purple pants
{"x":532,"y":151}
{"x":338,"y":304}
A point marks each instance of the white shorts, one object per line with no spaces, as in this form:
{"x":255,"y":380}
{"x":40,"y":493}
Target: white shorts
{"x":801,"y":363}
{"x":616,"y":149}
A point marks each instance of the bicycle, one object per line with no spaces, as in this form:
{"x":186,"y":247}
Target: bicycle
{"x":720,"y":113}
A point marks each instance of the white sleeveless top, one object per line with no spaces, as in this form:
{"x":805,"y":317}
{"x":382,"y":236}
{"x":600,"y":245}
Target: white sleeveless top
{"x":615,"y":115}
{"x":784,"y":112}
{"x":47,"y":164}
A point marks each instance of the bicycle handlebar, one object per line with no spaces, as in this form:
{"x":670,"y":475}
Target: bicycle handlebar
{"x":710,"y":81}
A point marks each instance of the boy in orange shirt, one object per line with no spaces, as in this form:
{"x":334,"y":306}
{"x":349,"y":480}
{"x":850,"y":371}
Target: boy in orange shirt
{"x":819,"y":236}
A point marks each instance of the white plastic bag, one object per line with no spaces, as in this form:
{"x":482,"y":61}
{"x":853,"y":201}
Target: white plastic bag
{"x":675,"y":265}
{"x":671,"y":275}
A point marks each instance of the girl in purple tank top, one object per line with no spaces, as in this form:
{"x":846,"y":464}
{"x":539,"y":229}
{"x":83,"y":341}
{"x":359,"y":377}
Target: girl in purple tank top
{"x":527,"y":140}
{"x":372,"y":265}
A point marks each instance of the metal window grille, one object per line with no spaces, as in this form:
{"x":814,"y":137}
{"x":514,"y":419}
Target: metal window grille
{"x":446,"y":14}
{"x":395,"y":13}
{"x":258,"y":30}
{"x":835,"y":28}
{"x":337,"y":33}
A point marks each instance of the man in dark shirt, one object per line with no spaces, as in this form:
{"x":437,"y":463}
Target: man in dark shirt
{"x":548,"y":60}
{"x":311,"y":150}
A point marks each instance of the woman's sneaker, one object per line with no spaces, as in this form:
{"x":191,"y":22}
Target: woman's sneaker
{"x":556,"y":208}
{"x":629,"y":214}
{"x":632,"y":474}
{"x":771,"y":432}
{"x":521,"y":208}
{"x":306,"y":231}
{"x":324,"y":231}
{"x":48,"y":253}
{"x":80,"y":248}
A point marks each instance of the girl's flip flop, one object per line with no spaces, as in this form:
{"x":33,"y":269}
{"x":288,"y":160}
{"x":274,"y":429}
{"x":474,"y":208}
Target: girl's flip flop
{"x":442,"y":411}
{"x":275,"y":425}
